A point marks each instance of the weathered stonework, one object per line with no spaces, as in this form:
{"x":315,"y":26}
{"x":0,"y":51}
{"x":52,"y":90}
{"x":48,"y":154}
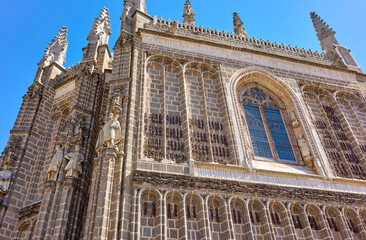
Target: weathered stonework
{"x":155,"y":141}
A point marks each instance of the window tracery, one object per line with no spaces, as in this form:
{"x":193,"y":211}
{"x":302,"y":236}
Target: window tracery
{"x":266,"y":125}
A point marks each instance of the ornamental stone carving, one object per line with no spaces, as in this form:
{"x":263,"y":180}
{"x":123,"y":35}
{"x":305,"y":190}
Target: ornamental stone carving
{"x":305,"y":151}
{"x":110,"y":135}
{"x":238,"y":25}
{"x":55,"y":164}
{"x":293,"y":119}
{"x":75,"y":159}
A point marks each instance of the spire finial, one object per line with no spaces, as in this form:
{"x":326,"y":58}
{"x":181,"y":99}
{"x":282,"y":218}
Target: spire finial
{"x":101,"y":29}
{"x":324,"y":33}
{"x":238,"y":25}
{"x":56,"y":49}
{"x":189,"y":14}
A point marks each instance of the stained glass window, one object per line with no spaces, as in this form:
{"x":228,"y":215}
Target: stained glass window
{"x":265,"y":125}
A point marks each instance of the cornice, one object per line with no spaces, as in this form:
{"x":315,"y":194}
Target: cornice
{"x":184,"y":182}
{"x":222,"y":44}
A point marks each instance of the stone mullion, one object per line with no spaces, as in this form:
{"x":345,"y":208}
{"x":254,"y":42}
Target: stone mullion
{"x":269,"y":134}
{"x":164,"y":113}
{"x":268,"y":222}
{"x":204,"y":103}
{"x":135,"y":215}
{"x":206,"y":216}
{"x":230,"y":221}
{"x":185,"y":120}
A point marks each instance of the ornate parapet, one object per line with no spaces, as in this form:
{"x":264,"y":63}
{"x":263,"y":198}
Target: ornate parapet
{"x":235,"y":40}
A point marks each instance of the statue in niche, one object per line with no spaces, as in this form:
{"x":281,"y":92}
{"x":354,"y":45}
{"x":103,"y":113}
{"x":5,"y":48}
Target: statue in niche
{"x":110,"y":135}
{"x":305,"y":151}
{"x":73,"y":167}
{"x":79,"y":131}
{"x":55,"y":163}
{"x":5,"y":177}
{"x":293,"y":119}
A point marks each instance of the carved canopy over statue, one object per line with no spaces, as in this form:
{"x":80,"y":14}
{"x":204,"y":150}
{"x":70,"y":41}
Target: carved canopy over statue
{"x":110,"y":135}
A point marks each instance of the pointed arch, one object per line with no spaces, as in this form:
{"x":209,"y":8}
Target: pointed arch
{"x":288,"y":97}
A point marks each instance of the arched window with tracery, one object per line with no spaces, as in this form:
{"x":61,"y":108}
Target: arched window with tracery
{"x":267,"y":123}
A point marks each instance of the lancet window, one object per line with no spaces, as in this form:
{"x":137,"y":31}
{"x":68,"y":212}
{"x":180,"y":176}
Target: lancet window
{"x":266,"y":125}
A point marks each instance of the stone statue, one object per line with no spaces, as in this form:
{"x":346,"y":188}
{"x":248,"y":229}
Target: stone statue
{"x":55,"y":164}
{"x":5,"y":177}
{"x":293,"y":119}
{"x":110,"y":134}
{"x":305,"y":151}
{"x":73,"y":167}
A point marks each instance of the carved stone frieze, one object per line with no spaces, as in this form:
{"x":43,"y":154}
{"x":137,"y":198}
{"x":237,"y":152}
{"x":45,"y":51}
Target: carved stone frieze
{"x":245,"y":188}
{"x":29,"y":211}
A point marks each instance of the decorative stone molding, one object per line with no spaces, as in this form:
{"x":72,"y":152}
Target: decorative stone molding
{"x":244,"y":188}
{"x":281,"y":89}
{"x":29,"y":211}
{"x":232,"y":38}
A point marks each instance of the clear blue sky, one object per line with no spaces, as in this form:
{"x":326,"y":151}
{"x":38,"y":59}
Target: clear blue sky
{"x":28,"y":26}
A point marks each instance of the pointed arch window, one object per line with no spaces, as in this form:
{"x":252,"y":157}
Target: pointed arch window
{"x":267,"y":130}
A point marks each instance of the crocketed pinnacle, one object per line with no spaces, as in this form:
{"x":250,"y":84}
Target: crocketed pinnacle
{"x":60,"y":39}
{"x":238,"y":25}
{"x":56,"y":49}
{"x":188,"y":14}
{"x":324,"y":33}
{"x":101,"y":28}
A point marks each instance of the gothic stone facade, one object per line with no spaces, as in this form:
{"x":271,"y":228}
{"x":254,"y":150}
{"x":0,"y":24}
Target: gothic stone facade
{"x":188,"y":133}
